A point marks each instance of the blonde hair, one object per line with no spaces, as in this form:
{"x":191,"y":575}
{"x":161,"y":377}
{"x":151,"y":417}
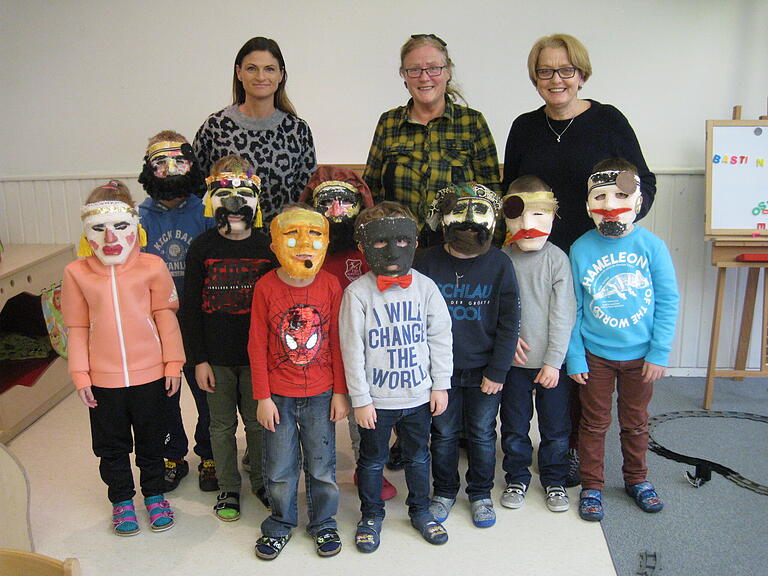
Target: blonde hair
{"x":112,"y":190}
{"x":577,"y":54}
{"x":431,"y":40}
{"x":231,"y":163}
{"x":385,"y":209}
{"x":166,"y":136}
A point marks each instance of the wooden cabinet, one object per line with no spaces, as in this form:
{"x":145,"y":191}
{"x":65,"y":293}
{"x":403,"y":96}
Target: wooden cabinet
{"x":31,"y":268}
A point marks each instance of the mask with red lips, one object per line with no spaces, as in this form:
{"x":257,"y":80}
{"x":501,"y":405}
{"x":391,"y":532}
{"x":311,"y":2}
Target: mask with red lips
{"x":111,"y":229}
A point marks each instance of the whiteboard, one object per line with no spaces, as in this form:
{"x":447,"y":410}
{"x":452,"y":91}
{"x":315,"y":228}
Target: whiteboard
{"x":737,"y":178}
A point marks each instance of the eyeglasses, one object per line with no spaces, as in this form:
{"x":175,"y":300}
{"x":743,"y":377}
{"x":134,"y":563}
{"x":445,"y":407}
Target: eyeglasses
{"x":549,"y":73}
{"x":432,"y":71}
{"x":417,"y":36}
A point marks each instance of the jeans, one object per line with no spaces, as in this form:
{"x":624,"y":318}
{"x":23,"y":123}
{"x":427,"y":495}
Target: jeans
{"x":554,"y":427}
{"x":177,"y":445}
{"x":413,"y":431}
{"x":466,"y":405}
{"x":125,"y":415}
{"x":305,"y":429}
{"x":634,"y":395}
{"x":234,"y":392}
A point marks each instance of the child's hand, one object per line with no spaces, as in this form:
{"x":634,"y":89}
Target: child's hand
{"x":365,"y":416}
{"x":438,"y":402}
{"x":652,"y":372}
{"x":490,"y":387}
{"x":580,"y":378}
{"x":548,"y":377}
{"x":520,"y":353}
{"x":339,"y":407}
{"x":172,"y":384}
{"x":267,"y":414}
{"x":204,"y":377}
{"x":86,"y":395}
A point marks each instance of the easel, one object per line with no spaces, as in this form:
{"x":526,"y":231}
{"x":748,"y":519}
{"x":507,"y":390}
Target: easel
{"x":738,"y":253}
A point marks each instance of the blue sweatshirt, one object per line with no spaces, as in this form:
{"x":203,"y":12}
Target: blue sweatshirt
{"x":170,"y":231}
{"x":626,"y":299}
{"x":482,"y":296}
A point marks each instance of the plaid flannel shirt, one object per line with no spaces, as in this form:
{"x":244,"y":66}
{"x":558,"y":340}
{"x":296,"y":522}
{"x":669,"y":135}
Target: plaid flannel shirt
{"x":409,"y":162}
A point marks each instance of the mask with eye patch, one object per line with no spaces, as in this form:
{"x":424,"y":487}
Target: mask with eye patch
{"x":614,"y":201}
{"x":529,"y":217}
{"x":388,"y":244}
{"x":467,"y":214}
{"x":233,"y":201}
{"x":300,"y":241}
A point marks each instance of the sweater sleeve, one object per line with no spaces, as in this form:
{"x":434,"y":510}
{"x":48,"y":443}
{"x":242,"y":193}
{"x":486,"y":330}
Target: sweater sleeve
{"x":576,"y":358}
{"x":307,"y":162}
{"x":373,"y":166}
{"x":508,"y":328}
{"x":562,"y":310}
{"x":666,"y":301}
{"x":74,"y":309}
{"x":352,"y":339}
{"x":258,"y":342}
{"x":339,"y":380}
{"x":439,"y":339}
{"x":165,"y":303}
{"x":202,"y":148}
{"x":191,"y":316}
{"x":485,"y":161}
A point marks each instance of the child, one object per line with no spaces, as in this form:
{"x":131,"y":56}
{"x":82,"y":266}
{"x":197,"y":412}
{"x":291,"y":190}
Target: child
{"x":548,"y":309}
{"x":478,"y":284}
{"x":125,"y":351}
{"x":298,"y":380}
{"x":396,"y":343}
{"x":339,"y":194}
{"x":626,"y":309}
{"x":223,"y":264}
{"x":173,"y":217}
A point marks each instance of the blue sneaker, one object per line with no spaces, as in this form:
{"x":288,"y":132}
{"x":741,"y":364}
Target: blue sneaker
{"x":591,"y":505}
{"x":483,"y":514}
{"x":644,"y":494}
{"x":368,"y":535}
{"x":440,"y":507}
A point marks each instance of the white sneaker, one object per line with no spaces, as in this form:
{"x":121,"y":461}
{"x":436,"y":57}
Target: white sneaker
{"x":557,"y":499}
{"x":514,"y":495}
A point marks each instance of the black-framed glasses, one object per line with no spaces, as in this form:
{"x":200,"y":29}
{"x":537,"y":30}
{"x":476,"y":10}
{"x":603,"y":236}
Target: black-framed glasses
{"x":433,"y":36}
{"x":548,"y":73}
{"x":431,"y":71}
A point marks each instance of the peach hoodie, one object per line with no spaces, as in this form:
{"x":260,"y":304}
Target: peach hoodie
{"x":122,"y":322}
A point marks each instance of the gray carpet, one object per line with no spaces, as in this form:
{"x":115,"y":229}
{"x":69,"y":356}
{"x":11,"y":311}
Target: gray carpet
{"x":717,"y":529}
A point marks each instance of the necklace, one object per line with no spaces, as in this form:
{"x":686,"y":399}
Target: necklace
{"x":554,"y":131}
{"x":455,"y":272}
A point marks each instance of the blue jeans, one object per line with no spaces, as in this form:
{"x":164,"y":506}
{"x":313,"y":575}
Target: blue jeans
{"x":413,"y":431}
{"x":554,"y":427}
{"x":466,"y":404}
{"x":305,"y":429}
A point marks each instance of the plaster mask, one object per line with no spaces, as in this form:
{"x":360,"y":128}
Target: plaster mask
{"x":233,"y":201}
{"x":300,"y":240}
{"x":111,"y":229}
{"x":529,"y":217}
{"x":388,"y":245}
{"x":167,"y":159}
{"x":613,"y":201}
{"x":338,"y":201}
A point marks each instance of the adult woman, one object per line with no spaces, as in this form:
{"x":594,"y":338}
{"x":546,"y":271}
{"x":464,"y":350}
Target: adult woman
{"x":561,"y":141}
{"x":430,"y":142}
{"x":261,"y":126}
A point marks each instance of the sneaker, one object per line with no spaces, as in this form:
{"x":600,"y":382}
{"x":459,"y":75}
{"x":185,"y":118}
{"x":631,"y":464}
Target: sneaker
{"x":388,"y":490}
{"x":246,"y":461}
{"x":395,"y":460}
{"x":557,"y":499}
{"x":644,"y":495}
{"x":124,"y":522}
{"x":160,"y":513}
{"x":591,"y":505}
{"x":207,"y":479}
{"x":268,"y":548}
{"x":175,"y":470}
{"x":440,"y":507}
{"x":573,"y":478}
{"x":227,"y":507}
{"x":327,"y":542}
{"x":368,"y":535}
{"x":514,"y":495}
{"x":432,"y":531}
{"x":483,"y":514}
{"x":261,"y":494}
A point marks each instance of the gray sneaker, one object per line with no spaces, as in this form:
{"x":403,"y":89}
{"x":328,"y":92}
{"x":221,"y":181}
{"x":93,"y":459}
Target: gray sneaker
{"x":440,"y":507}
{"x":483,"y":514}
{"x":514,"y":495}
{"x":557,"y":499}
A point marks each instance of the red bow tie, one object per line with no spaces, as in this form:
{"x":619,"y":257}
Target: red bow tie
{"x":384,"y":282}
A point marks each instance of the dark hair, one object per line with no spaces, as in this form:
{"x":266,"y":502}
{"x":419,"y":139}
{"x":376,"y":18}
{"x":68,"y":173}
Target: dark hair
{"x":528,"y":183}
{"x":385,"y":209}
{"x":261,"y":44}
{"x":615,"y":164}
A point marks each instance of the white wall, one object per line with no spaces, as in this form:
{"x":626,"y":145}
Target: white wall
{"x":86,"y":82}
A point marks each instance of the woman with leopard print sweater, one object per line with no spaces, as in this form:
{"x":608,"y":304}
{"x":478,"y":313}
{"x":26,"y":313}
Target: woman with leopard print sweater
{"x":261,"y":125}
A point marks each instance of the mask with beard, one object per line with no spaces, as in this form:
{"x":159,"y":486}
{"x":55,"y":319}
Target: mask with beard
{"x":233,"y":201}
{"x":614,"y":201}
{"x":170,"y":171}
{"x":467,"y":213}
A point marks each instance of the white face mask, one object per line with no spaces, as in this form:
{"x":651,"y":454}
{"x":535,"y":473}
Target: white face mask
{"x":614,"y":202}
{"x":472,"y":209}
{"x":529,"y":217}
{"x":111,"y":229}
